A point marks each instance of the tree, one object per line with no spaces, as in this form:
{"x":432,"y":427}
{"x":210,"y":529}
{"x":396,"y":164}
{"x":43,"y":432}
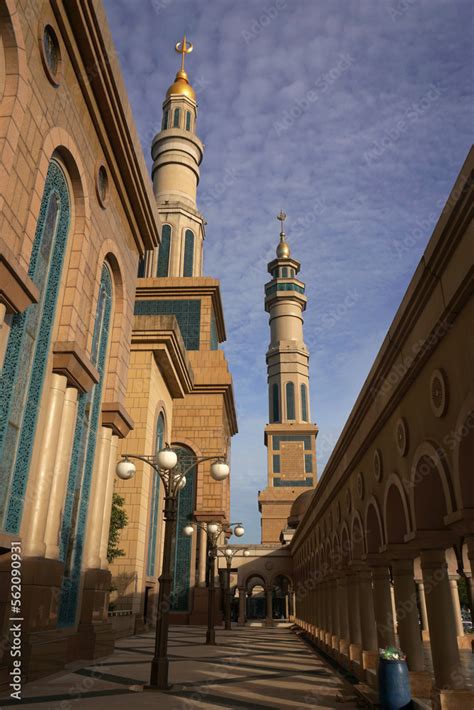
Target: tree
{"x":118,"y":520}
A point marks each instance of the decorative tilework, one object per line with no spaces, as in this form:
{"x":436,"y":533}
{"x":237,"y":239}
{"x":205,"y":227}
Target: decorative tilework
{"x":187,"y":312}
{"x":276,"y":463}
{"x":284,"y":483}
{"x":27,"y":351}
{"x":308,"y":463}
{"x":183,"y":544}
{"x":76,"y":502}
{"x":214,"y":338}
{"x":273,"y":288}
{"x":188,"y":253}
{"x":291,"y":437}
{"x":154,"y":503}
{"x":164,"y":251}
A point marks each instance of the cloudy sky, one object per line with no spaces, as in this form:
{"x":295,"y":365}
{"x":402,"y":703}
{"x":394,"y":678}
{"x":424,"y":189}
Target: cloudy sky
{"x":355,"y":117}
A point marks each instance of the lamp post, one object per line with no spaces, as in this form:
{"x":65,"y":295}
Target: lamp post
{"x":172,"y":472}
{"x":228,"y":553}
{"x":213,"y":532}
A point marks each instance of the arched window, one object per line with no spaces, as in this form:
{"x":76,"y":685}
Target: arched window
{"x":76,"y":501}
{"x":176,"y":118}
{"x":154,"y":502}
{"x":165,"y":120}
{"x":188,"y":120}
{"x":26,"y":357}
{"x":188,"y":253}
{"x":164,"y":251}
{"x":141,"y":267}
{"x":275,"y":404}
{"x":180,"y":597}
{"x":285,"y":272}
{"x":304,"y":403}
{"x":290,"y":400}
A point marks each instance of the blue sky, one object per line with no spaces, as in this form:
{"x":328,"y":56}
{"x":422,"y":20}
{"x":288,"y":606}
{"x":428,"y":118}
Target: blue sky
{"x":355,"y":117}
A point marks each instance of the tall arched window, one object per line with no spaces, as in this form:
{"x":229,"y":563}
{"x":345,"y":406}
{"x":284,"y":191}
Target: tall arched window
{"x":275,"y":404}
{"x":165,"y":120}
{"x":304,"y":403}
{"x":180,"y":598}
{"x":176,"y":118}
{"x":188,"y":120}
{"x":284,"y":272}
{"x":76,"y":501}
{"x":290,"y":400}
{"x":26,"y":356}
{"x":141,"y":267}
{"x":188,"y":253}
{"x":154,"y":502}
{"x":164,"y":251}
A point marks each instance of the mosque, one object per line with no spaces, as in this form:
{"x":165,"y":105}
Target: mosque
{"x":111,"y":343}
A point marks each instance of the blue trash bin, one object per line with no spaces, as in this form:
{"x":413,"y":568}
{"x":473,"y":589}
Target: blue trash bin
{"x":394,"y":685}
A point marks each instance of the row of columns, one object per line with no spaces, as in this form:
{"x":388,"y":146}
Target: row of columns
{"x":46,"y":504}
{"x":353,"y":613}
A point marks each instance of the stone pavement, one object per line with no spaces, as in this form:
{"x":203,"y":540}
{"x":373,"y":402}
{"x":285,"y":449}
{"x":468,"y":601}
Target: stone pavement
{"x":250,"y":668}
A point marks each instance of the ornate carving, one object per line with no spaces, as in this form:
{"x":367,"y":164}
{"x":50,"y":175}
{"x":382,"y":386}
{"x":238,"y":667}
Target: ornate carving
{"x":360,"y":486}
{"x":439,"y":393}
{"x":401,"y":433}
{"x":377,"y":464}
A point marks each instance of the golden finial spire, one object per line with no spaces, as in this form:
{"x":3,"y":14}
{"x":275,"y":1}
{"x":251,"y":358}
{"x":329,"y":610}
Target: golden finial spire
{"x":181,"y":84}
{"x":283,"y":249}
{"x":183,"y":48}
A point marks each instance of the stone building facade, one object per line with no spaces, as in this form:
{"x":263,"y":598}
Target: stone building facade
{"x":85,"y":355}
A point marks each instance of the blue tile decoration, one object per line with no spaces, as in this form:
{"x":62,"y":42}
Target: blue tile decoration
{"x":73,"y":527}
{"x":214,"y":338}
{"x":290,"y":400}
{"x":154,"y":503}
{"x":187,"y":312}
{"x":283,"y":483}
{"x":22,"y":377}
{"x":183,"y":544}
{"x":291,"y":437}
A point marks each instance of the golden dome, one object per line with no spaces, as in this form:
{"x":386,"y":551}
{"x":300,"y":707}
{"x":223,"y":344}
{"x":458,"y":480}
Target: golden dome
{"x":283,"y":249}
{"x":181,"y":86}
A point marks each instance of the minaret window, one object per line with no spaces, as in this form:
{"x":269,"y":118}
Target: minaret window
{"x":290,"y":400}
{"x":188,"y":253}
{"x":164,"y":253}
{"x":141,"y":267}
{"x":275,"y":404}
{"x":304,"y":403}
{"x":284,"y":272}
{"x":165,"y":120}
{"x":176,"y":118}
{"x":188,"y":120}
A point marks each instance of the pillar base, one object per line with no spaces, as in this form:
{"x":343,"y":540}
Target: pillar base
{"x":370,"y":660}
{"x":453,"y":699}
{"x":466,"y":641}
{"x":91,"y":641}
{"x":421,"y":684}
{"x":344,"y":647}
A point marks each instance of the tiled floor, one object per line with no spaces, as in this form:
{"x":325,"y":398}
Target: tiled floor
{"x":250,"y":668}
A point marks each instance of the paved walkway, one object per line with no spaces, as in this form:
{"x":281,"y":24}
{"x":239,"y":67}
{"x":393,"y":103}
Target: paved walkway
{"x":249,"y":669}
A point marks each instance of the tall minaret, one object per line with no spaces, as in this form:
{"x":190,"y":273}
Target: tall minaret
{"x":177,"y":153}
{"x":289,"y":437}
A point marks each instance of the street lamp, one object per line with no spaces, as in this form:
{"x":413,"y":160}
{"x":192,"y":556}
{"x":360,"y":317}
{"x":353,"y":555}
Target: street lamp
{"x":213,"y":532}
{"x":172,"y":472}
{"x":228,"y":553}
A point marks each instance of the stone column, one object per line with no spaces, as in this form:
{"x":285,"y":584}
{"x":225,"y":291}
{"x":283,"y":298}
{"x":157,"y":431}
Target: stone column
{"x":407,"y":613}
{"x":394,"y":609}
{"x":61,"y":473}
{"x":423,"y":612}
{"x":343,"y":615}
{"x":95,"y":517}
{"x":109,"y":489}
{"x":202,"y":557}
{"x":34,"y":537}
{"x":242,"y":607}
{"x":443,"y":640}
{"x":383,"y":606}
{"x":453,"y":583}
{"x":335,"y":614}
{"x":269,"y":615}
{"x":367,"y":615}
{"x":355,"y":636}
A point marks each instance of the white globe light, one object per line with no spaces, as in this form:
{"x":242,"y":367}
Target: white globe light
{"x":219,"y":470}
{"x":125,"y":470}
{"x":182,"y":483}
{"x":212,"y":527}
{"x":167,"y":459}
{"x":188,"y":530}
{"x":239,"y":530}
{"x":228,"y":552}
{"x":246,"y":553}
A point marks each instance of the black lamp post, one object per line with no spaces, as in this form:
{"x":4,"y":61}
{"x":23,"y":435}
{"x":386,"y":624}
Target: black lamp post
{"x":228,"y":553}
{"x":213,"y":532}
{"x":172,"y":472}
